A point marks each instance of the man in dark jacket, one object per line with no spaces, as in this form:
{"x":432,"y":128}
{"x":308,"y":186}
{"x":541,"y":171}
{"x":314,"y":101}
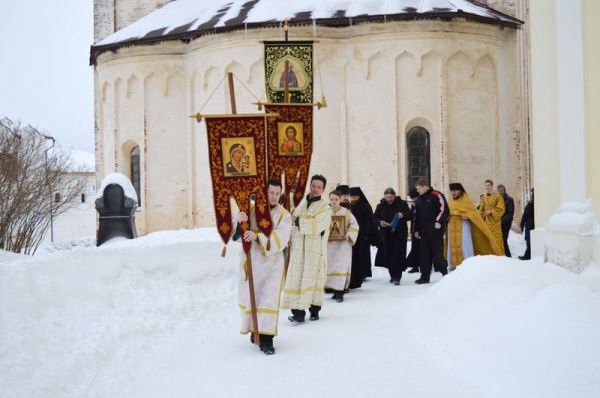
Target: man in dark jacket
{"x":527,"y":224}
{"x":391,"y":217}
{"x":361,"y":251}
{"x":431,"y":217}
{"x":507,"y":217}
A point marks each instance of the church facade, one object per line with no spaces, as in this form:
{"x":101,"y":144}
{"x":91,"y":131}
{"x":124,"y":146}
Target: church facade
{"x":411,"y":92}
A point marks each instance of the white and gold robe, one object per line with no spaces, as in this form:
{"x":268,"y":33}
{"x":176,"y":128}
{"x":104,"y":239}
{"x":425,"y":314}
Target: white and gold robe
{"x":308,"y":259}
{"x":267,"y":272}
{"x":339,"y":254}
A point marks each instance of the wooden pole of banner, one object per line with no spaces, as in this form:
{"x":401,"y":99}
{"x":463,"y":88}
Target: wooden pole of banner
{"x":255,"y":330}
{"x":246,"y":227}
{"x":291,"y":209}
{"x":286,"y":87}
{"x":231,"y":93}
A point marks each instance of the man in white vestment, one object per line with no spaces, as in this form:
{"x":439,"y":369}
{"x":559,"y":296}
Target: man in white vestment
{"x":267,"y":270}
{"x":308,"y":258}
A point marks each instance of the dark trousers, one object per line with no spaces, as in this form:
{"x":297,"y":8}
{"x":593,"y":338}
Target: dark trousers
{"x":430,"y":250}
{"x":505,"y":231}
{"x":527,"y":254}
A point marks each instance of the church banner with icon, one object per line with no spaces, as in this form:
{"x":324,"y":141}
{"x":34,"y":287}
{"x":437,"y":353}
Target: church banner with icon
{"x":236,"y":150}
{"x":289,"y":144}
{"x":300,"y":71}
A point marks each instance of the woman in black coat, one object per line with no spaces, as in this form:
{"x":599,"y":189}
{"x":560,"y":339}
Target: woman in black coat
{"x":391,"y":216}
{"x":527,"y":224}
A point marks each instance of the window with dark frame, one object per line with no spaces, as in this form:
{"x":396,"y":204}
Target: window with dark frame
{"x":135,"y":172}
{"x":418,"y":158}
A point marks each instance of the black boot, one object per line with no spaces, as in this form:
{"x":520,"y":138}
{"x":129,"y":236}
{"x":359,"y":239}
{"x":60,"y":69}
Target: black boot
{"x":314,"y":312}
{"x":266,"y":344}
{"x":297,"y":316}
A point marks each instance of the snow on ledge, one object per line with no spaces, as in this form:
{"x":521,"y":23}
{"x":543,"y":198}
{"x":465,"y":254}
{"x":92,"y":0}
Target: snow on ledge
{"x":573,"y":218}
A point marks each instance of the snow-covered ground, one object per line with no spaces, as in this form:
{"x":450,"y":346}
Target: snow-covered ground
{"x":158,"y":317}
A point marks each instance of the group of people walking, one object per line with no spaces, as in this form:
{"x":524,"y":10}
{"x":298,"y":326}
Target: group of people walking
{"x":327,"y":245}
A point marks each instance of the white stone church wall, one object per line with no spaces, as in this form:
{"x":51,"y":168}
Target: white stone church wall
{"x":379,"y":80}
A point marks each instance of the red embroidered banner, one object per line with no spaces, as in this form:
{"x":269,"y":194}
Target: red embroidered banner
{"x":236,"y":151}
{"x":289,"y":144}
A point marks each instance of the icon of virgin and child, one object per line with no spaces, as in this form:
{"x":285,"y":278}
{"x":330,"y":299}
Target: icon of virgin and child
{"x":240,"y":162}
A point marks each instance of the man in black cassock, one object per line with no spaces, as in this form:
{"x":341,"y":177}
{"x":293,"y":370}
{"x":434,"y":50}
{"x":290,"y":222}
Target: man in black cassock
{"x":361,"y":251}
{"x":391,"y":217}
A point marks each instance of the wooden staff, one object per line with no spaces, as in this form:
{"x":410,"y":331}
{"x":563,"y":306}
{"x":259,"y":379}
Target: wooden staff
{"x":255,"y":330}
{"x":245,"y":227}
{"x":291,"y":209}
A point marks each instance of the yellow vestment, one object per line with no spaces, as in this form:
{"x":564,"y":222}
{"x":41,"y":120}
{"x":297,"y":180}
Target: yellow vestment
{"x":494,"y":203}
{"x":484,"y":241}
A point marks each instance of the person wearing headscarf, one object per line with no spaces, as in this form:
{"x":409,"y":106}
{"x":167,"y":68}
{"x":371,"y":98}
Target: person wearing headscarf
{"x":361,"y":252}
{"x":391,"y":217}
{"x":467,"y":234}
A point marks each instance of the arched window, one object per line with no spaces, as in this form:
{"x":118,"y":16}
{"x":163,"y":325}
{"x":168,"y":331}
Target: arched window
{"x":417,"y":148}
{"x":136,"y":173}
{"x":82,"y":198}
{"x":57,"y":197}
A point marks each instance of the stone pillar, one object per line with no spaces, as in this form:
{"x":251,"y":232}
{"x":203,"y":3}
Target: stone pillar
{"x":560,"y":152}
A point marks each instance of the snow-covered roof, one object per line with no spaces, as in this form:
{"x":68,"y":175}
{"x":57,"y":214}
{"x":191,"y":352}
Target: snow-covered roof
{"x":186,"y":19}
{"x":84,"y":160}
{"x":80,"y":161}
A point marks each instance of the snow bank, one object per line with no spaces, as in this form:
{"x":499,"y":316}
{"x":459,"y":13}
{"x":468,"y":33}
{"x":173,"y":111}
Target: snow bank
{"x":10,"y":256}
{"x":157,"y":316}
{"x":79,"y":323}
{"x":503,"y":319}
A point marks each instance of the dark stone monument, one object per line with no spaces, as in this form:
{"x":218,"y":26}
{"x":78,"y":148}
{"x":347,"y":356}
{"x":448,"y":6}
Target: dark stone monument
{"x":116,"y":215}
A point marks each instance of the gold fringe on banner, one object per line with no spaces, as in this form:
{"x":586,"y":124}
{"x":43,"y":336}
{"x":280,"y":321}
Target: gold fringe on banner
{"x":224,"y":251}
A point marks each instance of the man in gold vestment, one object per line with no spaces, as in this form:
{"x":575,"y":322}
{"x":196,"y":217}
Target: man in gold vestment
{"x":467,"y":235}
{"x":491,"y":209}
{"x":307,"y":272}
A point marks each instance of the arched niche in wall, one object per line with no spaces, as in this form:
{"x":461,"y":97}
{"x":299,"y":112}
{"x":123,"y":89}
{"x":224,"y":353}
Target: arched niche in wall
{"x":131,"y":166}
{"x":418,"y":157}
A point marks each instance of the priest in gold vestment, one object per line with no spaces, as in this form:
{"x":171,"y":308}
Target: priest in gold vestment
{"x":307,"y":271}
{"x":467,"y":234}
{"x":491,"y":209}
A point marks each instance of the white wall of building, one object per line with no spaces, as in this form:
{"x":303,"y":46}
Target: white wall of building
{"x":460,"y":80}
{"x":78,"y":222}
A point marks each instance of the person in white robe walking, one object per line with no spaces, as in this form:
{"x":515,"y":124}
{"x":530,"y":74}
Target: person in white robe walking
{"x":307,"y":271}
{"x":267,"y":269}
{"x":339,"y":251}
